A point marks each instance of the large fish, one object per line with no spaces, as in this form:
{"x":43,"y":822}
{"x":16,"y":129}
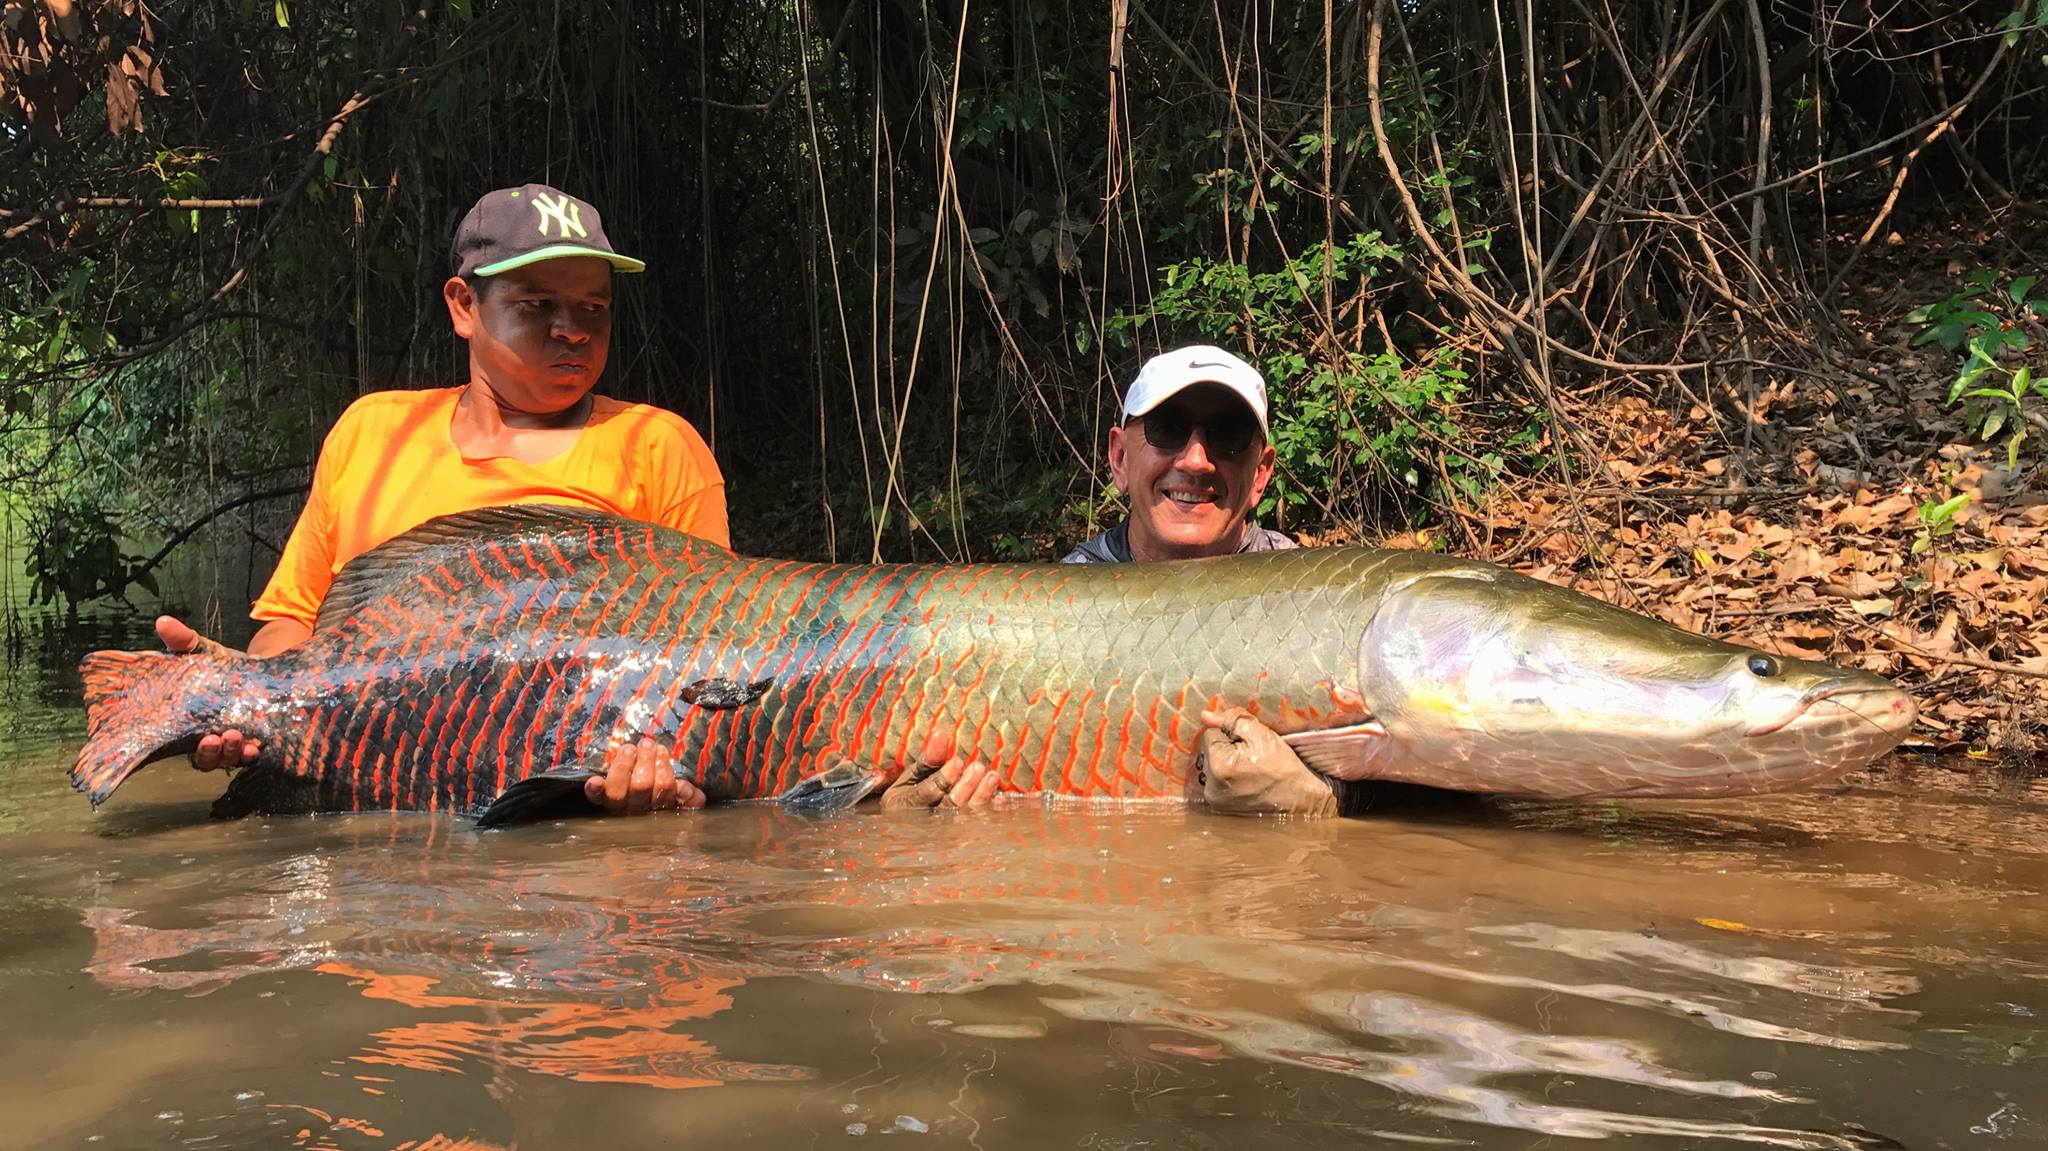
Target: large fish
{"x":483,"y":664}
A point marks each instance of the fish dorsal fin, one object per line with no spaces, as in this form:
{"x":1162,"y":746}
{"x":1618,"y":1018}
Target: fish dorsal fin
{"x":389,"y":566}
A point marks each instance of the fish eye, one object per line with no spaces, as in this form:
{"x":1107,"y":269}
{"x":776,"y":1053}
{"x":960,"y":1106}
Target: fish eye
{"x":1763,"y":665}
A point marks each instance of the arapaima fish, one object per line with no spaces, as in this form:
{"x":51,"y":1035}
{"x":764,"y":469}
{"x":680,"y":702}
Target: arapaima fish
{"x":483,"y":664}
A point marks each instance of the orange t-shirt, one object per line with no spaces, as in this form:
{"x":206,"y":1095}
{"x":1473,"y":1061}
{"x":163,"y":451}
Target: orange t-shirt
{"x":391,"y":464}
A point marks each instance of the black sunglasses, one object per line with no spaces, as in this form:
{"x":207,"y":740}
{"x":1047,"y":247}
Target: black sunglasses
{"x":1226,"y":434}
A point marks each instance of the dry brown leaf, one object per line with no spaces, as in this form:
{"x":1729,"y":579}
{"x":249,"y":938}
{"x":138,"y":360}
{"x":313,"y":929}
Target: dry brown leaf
{"x":1859,"y":584}
{"x":1803,"y":562}
{"x":1734,"y":550}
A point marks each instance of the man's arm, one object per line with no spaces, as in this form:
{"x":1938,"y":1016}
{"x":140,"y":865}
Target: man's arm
{"x":277,"y":637}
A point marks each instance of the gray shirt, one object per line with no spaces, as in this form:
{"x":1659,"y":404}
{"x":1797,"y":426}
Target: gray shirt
{"x":1114,"y":545}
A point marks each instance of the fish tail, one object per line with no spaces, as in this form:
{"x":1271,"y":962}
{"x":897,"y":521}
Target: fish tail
{"x":139,"y":706}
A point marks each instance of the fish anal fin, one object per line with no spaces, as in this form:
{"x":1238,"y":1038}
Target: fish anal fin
{"x":831,"y":791}
{"x":262,"y":788}
{"x":559,"y":790}
{"x":537,"y":797}
{"x":1347,"y":753}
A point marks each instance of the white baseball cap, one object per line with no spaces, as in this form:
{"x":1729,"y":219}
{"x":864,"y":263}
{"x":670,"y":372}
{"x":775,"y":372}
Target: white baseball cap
{"x":1167,"y":374}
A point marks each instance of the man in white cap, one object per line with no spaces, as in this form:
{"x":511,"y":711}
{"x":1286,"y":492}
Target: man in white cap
{"x":1193,"y":455}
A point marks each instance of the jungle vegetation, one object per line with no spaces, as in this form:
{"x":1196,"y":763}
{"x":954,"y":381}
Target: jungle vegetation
{"x":903,"y":253}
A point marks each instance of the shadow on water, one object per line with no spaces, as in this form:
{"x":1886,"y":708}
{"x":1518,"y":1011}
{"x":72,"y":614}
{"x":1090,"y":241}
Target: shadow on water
{"x":1799,"y":972}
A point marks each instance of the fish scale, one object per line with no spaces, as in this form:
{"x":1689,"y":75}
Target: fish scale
{"x":509,"y":648}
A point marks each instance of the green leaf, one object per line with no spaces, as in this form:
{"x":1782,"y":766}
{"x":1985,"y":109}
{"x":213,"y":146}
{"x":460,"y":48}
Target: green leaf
{"x":2018,"y":291}
{"x":1944,"y":510}
{"x":1949,"y":334}
{"x":284,"y":19}
{"x":1992,"y":425}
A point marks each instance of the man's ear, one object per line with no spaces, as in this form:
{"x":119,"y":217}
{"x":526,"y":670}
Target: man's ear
{"x":1117,"y":462}
{"x":462,"y":306}
{"x":1262,"y":475}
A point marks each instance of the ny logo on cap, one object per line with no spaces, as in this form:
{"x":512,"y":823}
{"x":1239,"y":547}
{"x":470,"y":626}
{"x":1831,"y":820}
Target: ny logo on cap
{"x":566,"y":213}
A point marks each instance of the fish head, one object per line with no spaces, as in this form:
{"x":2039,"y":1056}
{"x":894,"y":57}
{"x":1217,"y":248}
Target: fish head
{"x":1502,"y":683}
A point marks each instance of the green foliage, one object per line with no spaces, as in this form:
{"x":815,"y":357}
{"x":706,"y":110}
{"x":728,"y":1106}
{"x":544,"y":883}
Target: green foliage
{"x":1938,"y":520}
{"x":40,"y":333}
{"x":863,"y":290}
{"x":1986,"y":324}
{"x":75,"y":554}
{"x":180,"y":178}
{"x":2026,"y":16}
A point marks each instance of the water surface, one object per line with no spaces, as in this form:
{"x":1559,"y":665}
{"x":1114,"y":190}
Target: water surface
{"x":1861,"y":967}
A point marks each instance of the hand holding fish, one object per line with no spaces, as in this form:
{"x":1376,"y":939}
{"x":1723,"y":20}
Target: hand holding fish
{"x":639,"y":778}
{"x":1247,"y":769}
{"x":940,"y":778}
{"x":219,"y":749}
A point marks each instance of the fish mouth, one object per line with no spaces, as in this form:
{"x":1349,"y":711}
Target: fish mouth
{"x":1881,"y":705}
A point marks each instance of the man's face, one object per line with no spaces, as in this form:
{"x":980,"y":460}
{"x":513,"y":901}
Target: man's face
{"x":1189,"y":492}
{"x":539,"y":336}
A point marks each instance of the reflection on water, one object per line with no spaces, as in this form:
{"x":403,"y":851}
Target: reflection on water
{"x":1862,"y":968}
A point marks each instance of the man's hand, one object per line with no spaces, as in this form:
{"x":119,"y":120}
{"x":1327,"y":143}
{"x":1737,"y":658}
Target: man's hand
{"x":639,"y":778}
{"x":940,"y":778}
{"x":1245,"y":768}
{"x":218,"y":749}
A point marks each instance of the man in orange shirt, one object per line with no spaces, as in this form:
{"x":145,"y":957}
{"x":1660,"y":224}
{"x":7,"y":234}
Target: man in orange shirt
{"x":532,"y":294}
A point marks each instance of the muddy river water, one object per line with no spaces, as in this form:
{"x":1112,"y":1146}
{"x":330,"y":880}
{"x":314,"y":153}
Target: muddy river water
{"x":1861,"y":967}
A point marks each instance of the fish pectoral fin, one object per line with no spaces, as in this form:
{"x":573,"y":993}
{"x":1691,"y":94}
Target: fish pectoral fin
{"x":1347,"y":753}
{"x":831,"y":791}
{"x":537,"y":797}
{"x":719,"y":694}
